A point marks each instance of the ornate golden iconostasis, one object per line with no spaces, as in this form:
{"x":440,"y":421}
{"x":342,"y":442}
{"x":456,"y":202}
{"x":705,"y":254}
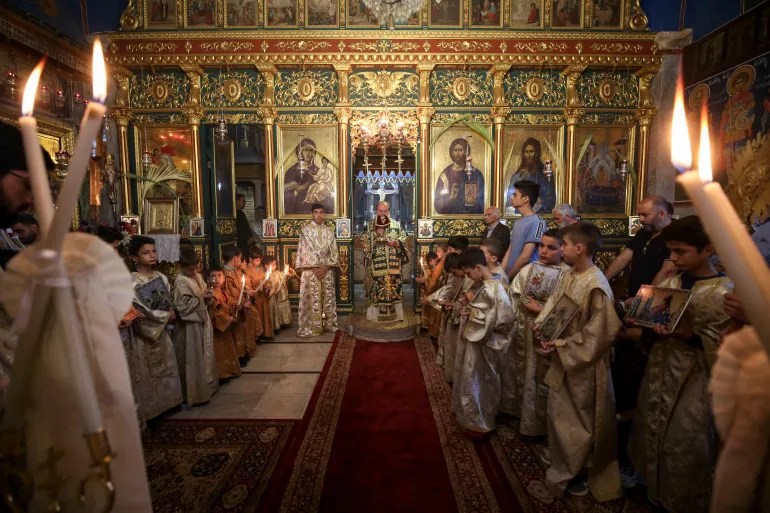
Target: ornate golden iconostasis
{"x":576,"y":81}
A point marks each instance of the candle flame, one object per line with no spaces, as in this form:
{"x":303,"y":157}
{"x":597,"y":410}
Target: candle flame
{"x":30,"y":90}
{"x":681,"y":153}
{"x":99,"y":72}
{"x":704,"y":151}
{"x":243,"y":279}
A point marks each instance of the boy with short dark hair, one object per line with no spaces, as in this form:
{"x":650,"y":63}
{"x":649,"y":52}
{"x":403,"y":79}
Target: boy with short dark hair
{"x":235,"y":290}
{"x":278,"y":292}
{"x":193,"y":336}
{"x":224,"y":322}
{"x":527,"y":229}
{"x":485,"y":318}
{"x":581,"y":404}
{"x":493,"y":251}
{"x":672,"y":443}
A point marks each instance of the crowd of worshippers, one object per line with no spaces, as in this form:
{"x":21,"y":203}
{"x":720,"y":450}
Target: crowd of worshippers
{"x":181,"y":340}
{"x":602,"y":395}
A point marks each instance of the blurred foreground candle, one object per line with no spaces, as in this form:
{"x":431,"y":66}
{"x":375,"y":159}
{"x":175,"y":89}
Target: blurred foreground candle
{"x":737,"y":253}
{"x":32,"y":150}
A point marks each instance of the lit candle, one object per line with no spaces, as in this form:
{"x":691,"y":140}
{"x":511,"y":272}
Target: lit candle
{"x":35,"y":163}
{"x":740,"y":257}
{"x":89,"y":127}
{"x":243,"y":287}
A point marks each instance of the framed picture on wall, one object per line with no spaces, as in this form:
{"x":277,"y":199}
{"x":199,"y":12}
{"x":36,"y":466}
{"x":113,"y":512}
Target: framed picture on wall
{"x":359,"y":15}
{"x":607,"y":14}
{"x":132,"y":223}
{"x":241,"y":13}
{"x":527,"y":13}
{"x":485,"y":13}
{"x":599,"y":186}
{"x":321,"y":13}
{"x":307,"y":163}
{"x":160,"y":14}
{"x":454,"y":191}
{"x":343,"y":228}
{"x":444,"y":13}
{"x":290,"y":259}
{"x":280,"y":13}
{"x":529,"y":149}
{"x":566,"y":13}
{"x":197,"y":227}
{"x":200,"y":13}
{"x":270,"y":228}
{"x":161,"y":216}
{"x":425,"y":229}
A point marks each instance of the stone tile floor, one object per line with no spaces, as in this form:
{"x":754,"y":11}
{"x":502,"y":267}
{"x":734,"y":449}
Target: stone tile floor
{"x":276,"y":383}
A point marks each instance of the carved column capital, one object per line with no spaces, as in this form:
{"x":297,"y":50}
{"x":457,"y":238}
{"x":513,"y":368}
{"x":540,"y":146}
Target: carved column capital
{"x":572,"y":73}
{"x":500,"y":112}
{"x":268,"y":72}
{"x":343,"y":113}
{"x":424,"y":69}
{"x":645,"y":116}
{"x":193,"y":113}
{"x":122,"y":116}
{"x":646,"y":76}
{"x":343,"y":70}
{"x":425,"y":114}
{"x":574,"y":115}
{"x":194,"y":74}
{"x":268,"y":114}
{"x":122,"y":78}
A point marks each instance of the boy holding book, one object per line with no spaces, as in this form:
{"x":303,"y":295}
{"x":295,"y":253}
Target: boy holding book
{"x":672,"y":443}
{"x":485,"y":318}
{"x":525,"y":395}
{"x":194,"y":336}
{"x":581,"y":404}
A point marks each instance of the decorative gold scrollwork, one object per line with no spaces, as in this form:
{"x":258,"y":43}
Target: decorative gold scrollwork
{"x":159,"y":91}
{"x":535,"y":88}
{"x":461,"y":88}
{"x":231,"y":89}
{"x":305,"y":89}
{"x":607,"y":90}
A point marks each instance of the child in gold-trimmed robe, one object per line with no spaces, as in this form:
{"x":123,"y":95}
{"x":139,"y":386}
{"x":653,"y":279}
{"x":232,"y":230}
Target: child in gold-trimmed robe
{"x":259,"y":302}
{"x":235,"y":290}
{"x":223,"y":321}
{"x":193,"y":336}
{"x":581,"y":404}
{"x":446,"y":299}
{"x":484,"y":325}
{"x":278,"y":293}
{"x":672,"y":442}
{"x":431,"y":283}
{"x":525,"y":395}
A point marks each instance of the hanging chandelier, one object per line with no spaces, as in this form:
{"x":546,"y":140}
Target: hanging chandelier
{"x":385,"y":131}
{"x":391,"y":12}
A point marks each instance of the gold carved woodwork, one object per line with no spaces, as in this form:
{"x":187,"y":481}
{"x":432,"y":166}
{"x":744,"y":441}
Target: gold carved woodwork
{"x":129,"y":20}
{"x":344,"y":284}
{"x":268,"y":75}
{"x":499,"y":72}
{"x":343,"y":76}
{"x":535,"y":88}
{"x":194,"y":74}
{"x":573,"y":78}
{"x":122,"y":78}
{"x":607,"y":90}
{"x":424,"y":71}
{"x":226,"y":226}
{"x":638,"y":19}
{"x":232,"y":89}
{"x":646,"y":76}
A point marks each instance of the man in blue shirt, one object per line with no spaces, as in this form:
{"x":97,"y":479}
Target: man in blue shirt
{"x":527,"y":230}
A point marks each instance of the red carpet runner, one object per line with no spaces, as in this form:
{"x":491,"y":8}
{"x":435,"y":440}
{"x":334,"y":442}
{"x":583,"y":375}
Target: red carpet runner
{"x":395,"y":447}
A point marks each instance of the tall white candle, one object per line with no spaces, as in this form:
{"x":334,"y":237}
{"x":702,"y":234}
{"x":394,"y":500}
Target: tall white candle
{"x":740,"y":257}
{"x":32,"y":150}
{"x":78,"y":166}
{"x":243,"y":287}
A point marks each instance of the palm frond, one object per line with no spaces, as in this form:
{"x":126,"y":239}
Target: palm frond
{"x":458,"y":119}
{"x":482,"y":131}
{"x":467,"y":120}
{"x":583,"y":149}
{"x":157,"y":174}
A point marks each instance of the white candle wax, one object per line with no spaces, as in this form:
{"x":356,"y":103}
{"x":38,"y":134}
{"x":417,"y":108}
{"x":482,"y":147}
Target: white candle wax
{"x":741,"y":258}
{"x":243,"y":286}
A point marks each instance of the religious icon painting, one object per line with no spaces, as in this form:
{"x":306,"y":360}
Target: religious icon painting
{"x":160,"y":14}
{"x":607,"y":14}
{"x":558,"y":319}
{"x":415,"y":20}
{"x":444,"y":13}
{"x":541,"y":282}
{"x":197,"y":227}
{"x":307,"y":165}
{"x":200,"y":13}
{"x":658,"y":305}
{"x":343,"y":228}
{"x":270,"y":228}
{"x":241,"y":13}
{"x":485,"y":13}
{"x":280,"y":13}
{"x":566,"y":13}
{"x":461,"y":160}
{"x":602,"y":154}
{"x":634,"y":225}
{"x":526,"y":13}
{"x":425,"y":229}
{"x":130,"y":224}
{"x":359,"y":15}
{"x":161,"y":215}
{"x":290,"y":259}
{"x":533,"y":153}
{"x":321,"y":13}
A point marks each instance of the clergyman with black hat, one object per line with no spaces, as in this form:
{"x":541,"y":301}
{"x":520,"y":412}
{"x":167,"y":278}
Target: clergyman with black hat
{"x":383,"y":257}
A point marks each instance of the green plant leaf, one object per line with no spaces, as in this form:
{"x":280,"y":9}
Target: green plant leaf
{"x":458,"y":119}
{"x":583,"y":149}
{"x":467,"y":120}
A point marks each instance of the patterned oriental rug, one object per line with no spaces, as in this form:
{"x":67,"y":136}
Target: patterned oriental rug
{"x":200,"y":466}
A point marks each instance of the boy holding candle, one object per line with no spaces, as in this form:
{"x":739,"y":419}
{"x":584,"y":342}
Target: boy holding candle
{"x":150,"y":353}
{"x":446,"y":299}
{"x":260,"y":306}
{"x":493,"y":251}
{"x":672,"y":443}
{"x":581,"y":405}
{"x":278,"y":293}
{"x":485,"y":318}
{"x":235,"y":290}
{"x":224,"y":322}
{"x":524,"y":393}
{"x":194,"y":336}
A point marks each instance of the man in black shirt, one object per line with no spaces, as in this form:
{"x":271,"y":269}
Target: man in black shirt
{"x":646,"y":253}
{"x":242,"y":228}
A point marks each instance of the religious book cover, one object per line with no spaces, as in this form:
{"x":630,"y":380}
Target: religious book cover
{"x":658,"y":305}
{"x":541,"y":282}
{"x":558,"y":319}
{"x":154,"y":295}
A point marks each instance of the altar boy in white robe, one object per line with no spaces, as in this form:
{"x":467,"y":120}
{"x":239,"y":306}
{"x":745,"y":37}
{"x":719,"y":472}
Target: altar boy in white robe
{"x":486,"y":316}
{"x":317,"y":256}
